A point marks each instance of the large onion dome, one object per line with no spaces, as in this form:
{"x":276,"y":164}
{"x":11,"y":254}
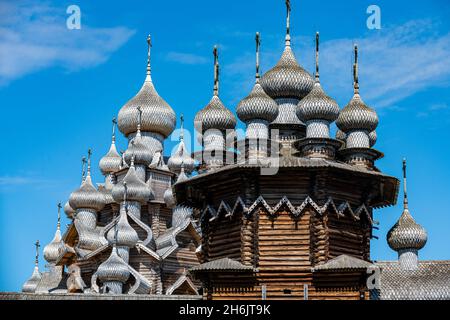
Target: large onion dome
{"x":136,"y":189}
{"x":125,"y":235}
{"x":357,"y":116}
{"x":215,"y":115}
{"x":56,"y":246}
{"x":287,"y":79}
{"x":87,"y":196}
{"x":157,"y":115}
{"x":110,"y":162}
{"x":69,"y":211}
{"x":181,"y":156}
{"x":32,"y":283}
{"x":257,"y":105}
{"x":113,"y":269}
{"x":406,"y":233}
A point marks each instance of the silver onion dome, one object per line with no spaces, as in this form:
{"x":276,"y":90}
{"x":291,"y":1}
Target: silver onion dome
{"x":287,"y":79}
{"x":215,"y":115}
{"x":69,"y":211}
{"x":56,"y":246}
{"x":357,"y":116}
{"x":181,"y":156}
{"x":257,"y":105}
{"x":317,"y":106}
{"x":157,"y":115}
{"x":138,"y":150}
{"x":136,"y":189}
{"x":406,"y":233}
{"x":113,"y":269}
{"x":126,"y":236}
{"x":87,"y":196}
{"x":32,"y":283}
{"x":110,"y":162}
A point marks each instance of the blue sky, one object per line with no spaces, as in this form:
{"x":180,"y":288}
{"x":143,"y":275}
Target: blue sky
{"x":59,"y":89}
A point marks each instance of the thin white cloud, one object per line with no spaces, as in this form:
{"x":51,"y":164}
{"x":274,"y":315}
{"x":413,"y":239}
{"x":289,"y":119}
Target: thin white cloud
{"x":34,"y":36}
{"x":186,"y":58}
{"x":11,"y":181}
{"x":395,"y":62}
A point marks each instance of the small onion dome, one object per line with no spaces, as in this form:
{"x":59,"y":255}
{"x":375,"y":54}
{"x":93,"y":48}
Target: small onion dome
{"x":317,"y":106}
{"x":126,"y":235}
{"x":87,"y":196}
{"x":287,"y":79}
{"x":406,"y":234}
{"x":257,"y":105}
{"x":372,"y":138}
{"x":357,"y":116}
{"x":182,"y":176}
{"x":157,"y":115}
{"x":137,"y":190}
{"x":56,"y":246}
{"x":181,"y":157}
{"x":214,"y":116}
{"x":69,"y":210}
{"x":113,"y":269}
{"x":341,"y":135}
{"x":137,"y":148}
{"x":110,"y":162}
{"x":31,"y":284}
{"x":169,"y":199}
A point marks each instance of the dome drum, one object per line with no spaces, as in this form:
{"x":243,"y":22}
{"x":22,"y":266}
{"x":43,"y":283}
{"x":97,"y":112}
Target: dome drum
{"x":257,"y":129}
{"x":357,"y":139}
{"x":87,"y":217}
{"x":318,"y":129}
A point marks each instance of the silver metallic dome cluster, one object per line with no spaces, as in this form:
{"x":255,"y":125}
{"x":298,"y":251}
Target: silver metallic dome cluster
{"x":87,"y":196}
{"x":406,"y":234}
{"x":257,"y":105}
{"x":317,"y":106}
{"x":287,"y":79}
{"x":357,"y":116}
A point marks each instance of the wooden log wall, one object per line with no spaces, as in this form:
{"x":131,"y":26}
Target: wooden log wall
{"x":224,"y":238}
